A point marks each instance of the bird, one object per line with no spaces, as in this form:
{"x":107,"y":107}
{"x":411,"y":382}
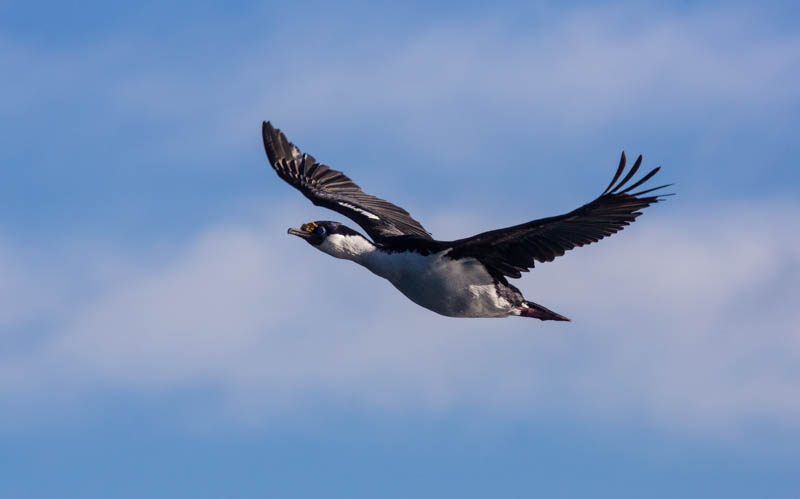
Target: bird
{"x":461,"y":278}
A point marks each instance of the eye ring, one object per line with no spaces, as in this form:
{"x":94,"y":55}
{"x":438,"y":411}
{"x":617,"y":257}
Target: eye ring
{"x":319,"y":231}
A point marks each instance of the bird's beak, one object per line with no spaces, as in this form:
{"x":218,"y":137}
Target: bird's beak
{"x":299,"y":233}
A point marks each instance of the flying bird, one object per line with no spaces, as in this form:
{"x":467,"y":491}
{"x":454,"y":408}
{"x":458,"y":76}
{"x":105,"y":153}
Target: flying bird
{"x":462,"y":278}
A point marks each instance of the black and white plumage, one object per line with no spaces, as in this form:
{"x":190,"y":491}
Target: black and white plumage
{"x":462,"y":278}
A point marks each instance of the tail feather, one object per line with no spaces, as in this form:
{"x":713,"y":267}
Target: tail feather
{"x":536,"y":311}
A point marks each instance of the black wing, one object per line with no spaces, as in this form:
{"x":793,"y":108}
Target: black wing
{"x":333,"y":189}
{"x":509,"y":251}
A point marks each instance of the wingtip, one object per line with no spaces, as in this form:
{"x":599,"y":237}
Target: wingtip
{"x":620,"y":169}
{"x":272,"y":141}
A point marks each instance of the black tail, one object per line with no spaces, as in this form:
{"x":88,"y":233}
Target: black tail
{"x":537,"y":311}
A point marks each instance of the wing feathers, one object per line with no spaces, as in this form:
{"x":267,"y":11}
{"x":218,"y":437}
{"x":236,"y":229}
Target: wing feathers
{"x":509,"y":251}
{"x":505,"y":252}
{"x":642,"y":180}
{"x":333,"y":189}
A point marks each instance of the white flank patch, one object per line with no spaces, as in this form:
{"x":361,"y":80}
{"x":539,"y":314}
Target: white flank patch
{"x":363,"y":212}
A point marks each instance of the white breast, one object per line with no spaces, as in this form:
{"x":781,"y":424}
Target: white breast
{"x":455,"y":288}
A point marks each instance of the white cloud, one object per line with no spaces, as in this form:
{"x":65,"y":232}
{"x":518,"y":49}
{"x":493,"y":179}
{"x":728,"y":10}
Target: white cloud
{"x":585,"y":70}
{"x":687,"y":324}
{"x":441,"y":89}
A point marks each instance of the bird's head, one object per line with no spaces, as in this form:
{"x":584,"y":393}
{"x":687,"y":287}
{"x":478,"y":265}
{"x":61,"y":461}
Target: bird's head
{"x":333,"y":238}
{"x":313,"y":232}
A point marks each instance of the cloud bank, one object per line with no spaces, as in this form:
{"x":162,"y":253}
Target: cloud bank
{"x":687,"y":323}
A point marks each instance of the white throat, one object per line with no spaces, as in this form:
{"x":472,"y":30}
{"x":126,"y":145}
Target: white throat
{"x":360,"y":250}
{"x":349,"y":247}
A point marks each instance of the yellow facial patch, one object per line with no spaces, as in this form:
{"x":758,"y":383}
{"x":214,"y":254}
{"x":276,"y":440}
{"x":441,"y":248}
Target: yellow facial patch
{"x":309,"y":227}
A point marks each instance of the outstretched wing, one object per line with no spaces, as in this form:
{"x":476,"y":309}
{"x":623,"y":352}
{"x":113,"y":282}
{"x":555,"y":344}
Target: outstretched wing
{"x":333,"y":189}
{"x":509,"y":251}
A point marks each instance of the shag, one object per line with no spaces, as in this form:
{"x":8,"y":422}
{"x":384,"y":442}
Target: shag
{"x":462,"y":278}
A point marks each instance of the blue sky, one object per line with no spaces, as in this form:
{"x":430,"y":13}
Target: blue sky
{"x":161,"y":335}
